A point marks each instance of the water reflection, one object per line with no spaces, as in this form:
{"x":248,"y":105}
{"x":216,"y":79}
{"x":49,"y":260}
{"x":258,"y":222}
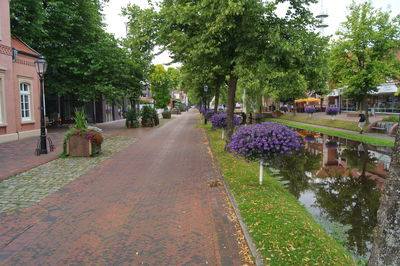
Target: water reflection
{"x":339,"y":181}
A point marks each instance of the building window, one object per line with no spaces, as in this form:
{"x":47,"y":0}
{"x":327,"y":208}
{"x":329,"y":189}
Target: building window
{"x":25,"y":96}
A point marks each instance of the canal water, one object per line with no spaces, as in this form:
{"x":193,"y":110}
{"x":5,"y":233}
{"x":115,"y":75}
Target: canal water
{"x":339,"y":181}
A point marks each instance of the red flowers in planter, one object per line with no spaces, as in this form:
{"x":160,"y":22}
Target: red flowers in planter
{"x":94,"y":136}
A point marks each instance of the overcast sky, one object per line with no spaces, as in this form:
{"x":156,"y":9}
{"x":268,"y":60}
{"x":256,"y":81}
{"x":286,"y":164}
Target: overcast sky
{"x":336,"y":9}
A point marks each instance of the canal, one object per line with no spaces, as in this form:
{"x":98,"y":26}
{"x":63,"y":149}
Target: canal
{"x":339,"y":182}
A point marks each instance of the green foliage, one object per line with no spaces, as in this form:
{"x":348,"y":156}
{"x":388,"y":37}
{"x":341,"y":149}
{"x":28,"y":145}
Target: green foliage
{"x":27,"y":18}
{"x":132,"y":118}
{"x":341,"y":134}
{"x":149,"y":116}
{"x":230,"y":37}
{"x":84,"y":60}
{"x":80,"y":119}
{"x":166,"y":114}
{"x":163,"y":82}
{"x":391,"y":118}
{"x":364,"y":56}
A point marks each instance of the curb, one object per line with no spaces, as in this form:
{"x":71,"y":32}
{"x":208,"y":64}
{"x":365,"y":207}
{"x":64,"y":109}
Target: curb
{"x":249,"y":240}
{"x":258,"y":259}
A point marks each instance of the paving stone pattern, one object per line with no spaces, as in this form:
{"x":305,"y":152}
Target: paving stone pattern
{"x":149,"y":204}
{"x":30,"y":187}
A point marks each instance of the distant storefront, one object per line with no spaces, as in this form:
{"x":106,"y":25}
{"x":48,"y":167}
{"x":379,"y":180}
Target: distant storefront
{"x":383,"y":101}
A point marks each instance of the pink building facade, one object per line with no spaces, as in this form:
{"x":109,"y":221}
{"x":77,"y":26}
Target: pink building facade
{"x":19,"y":84}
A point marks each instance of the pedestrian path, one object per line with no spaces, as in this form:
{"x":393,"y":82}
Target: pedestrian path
{"x":19,"y":156}
{"x":374,"y":135}
{"x":150,"y":204}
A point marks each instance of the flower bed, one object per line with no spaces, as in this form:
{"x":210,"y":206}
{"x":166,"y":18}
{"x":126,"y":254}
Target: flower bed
{"x":93,"y":136}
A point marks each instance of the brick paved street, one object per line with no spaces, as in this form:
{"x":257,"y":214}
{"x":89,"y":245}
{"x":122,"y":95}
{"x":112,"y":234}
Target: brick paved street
{"x":150,"y":204}
{"x":19,"y":156}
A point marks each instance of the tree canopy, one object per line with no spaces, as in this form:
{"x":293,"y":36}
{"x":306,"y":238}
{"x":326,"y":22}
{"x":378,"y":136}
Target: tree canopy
{"x":163,"y":82}
{"x":365,"y":54}
{"x":230,"y":36}
{"x":83,"y":60}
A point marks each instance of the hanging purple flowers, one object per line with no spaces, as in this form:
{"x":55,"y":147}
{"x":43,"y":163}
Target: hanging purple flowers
{"x":332,"y":110}
{"x":310,"y":109}
{"x":220,"y":120}
{"x":267,"y":141}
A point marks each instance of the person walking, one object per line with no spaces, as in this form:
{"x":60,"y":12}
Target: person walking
{"x":361,"y":122}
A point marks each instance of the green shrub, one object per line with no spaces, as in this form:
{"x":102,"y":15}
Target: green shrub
{"x":166,"y":114}
{"x":156,"y":120}
{"x":175,"y":111}
{"x":149,"y":116}
{"x":182,"y":107}
{"x":391,"y":118}
{"x":132,"y":118}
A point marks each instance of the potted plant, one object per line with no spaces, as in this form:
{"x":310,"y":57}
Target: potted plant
{"x":82,"y":140}
{"x":332,"y":111}
{"x":166,"y":114}
{"x":310,"y":110}
{"x":132,"y":118}
{"x":147,"y":115}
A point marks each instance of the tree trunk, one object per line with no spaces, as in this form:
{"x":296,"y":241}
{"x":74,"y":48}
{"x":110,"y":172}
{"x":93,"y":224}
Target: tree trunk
{"x":365,"y":105}
{"x":294,"y":108}
{"x":216,"y":102}
{"x":386,"y":248}
{"x":231,"y":105}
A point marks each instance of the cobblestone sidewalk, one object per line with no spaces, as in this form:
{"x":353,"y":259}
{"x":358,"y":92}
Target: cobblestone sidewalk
{"x":30,"y":187}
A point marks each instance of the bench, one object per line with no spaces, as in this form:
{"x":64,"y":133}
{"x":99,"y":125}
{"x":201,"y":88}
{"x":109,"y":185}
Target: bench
{"x":379,"y":126}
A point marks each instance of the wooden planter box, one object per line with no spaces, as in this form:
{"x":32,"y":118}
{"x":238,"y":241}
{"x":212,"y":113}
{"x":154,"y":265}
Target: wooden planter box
{"x":78,"y":146}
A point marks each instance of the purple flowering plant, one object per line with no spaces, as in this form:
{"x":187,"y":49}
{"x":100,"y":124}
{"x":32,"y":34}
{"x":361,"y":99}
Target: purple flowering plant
{"x":202,"y":110}
{"x":266,"y":142}
{"x":220,"y":120}
{"x":208,"y":114}
{"x":332,"y":110}
{"x":310,"y":109}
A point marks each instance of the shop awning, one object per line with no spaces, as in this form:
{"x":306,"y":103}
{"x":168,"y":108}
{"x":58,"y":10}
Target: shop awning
{"x":308,"y":100}
{"x":386,"y":88}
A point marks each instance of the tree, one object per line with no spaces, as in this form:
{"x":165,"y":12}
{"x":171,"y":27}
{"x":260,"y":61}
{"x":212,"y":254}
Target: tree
{"x":71,"y":37}
{"x":386,"y":248}
{"x":364,"y":56}
{"x":140,"y":42}
{"x":162,"y":83}
{"x":226,"y":35}
{"x":27,"y":18}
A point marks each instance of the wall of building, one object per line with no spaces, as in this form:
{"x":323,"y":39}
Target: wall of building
{"x":7,"y":94}
{"x":24,"y":71}
{"x":11,"y":73}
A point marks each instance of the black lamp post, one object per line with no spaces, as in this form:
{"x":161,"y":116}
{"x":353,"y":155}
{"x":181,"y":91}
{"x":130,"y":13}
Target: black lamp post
{"x":205,"y":103}
{"x":41,"y":67}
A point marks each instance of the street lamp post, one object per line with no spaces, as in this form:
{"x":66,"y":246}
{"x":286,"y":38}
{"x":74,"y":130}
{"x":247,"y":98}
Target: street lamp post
{"x":41,"y":67}
{"x":205,"y":103}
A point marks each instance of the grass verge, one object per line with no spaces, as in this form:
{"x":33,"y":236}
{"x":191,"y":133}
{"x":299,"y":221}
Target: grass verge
{"x":349,"y":125}
{"x":356,"y":137}
{"x":282,"y":229}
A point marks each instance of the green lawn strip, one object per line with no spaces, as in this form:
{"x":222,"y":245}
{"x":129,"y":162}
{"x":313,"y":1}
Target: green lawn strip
{"x":282,"y":229}
{"x":349,"y":125}
{"x":356,"y":137}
